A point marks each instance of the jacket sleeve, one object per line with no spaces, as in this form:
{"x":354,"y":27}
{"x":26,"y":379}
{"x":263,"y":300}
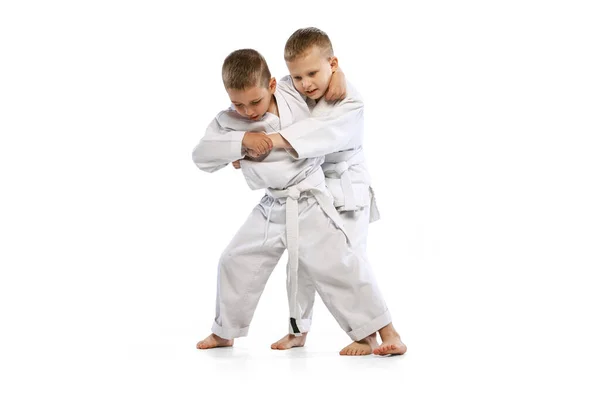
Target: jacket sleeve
{"x":219,"y":147}
{"x":328,"y":132}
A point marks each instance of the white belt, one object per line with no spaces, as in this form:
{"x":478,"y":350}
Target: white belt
{"x":340,"y":163}
{"x":313,"y":185}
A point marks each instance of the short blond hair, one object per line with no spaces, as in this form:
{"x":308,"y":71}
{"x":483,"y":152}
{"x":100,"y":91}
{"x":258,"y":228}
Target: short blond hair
{"x":303,"y":39}
{"x":245,"y":68}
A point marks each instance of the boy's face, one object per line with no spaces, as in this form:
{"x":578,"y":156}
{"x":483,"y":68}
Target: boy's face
{"x":252,"y":103}
{"x":311,"y":72}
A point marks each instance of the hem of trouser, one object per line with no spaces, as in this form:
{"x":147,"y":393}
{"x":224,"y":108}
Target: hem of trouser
{"x":229,"y":333}
{"x":370,"y":327}
{"x":303,"y":326}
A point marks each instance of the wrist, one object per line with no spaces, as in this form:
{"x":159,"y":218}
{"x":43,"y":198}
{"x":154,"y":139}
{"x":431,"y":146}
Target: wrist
{"x":281,"y":142}
{"x":277,"y":140}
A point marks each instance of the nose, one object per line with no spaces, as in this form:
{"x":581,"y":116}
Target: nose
{"x":249,"y":111}
{"x":305,"y":84}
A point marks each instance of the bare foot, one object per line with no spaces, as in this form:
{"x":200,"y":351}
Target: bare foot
{"x":289,"y":341}
{"x":391,"y":343}
{"x":214,"y":341}
{"x":362,"y":347}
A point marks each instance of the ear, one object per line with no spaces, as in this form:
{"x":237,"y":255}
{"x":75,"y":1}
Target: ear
{"x":272,"y":85}
{"x":333,"y":62}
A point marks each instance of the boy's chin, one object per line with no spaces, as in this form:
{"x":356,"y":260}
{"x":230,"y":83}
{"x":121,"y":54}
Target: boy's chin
{"x":316,"y":95}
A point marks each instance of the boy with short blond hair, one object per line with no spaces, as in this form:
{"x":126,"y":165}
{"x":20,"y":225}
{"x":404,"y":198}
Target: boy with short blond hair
{"x":297,"y":213}
{"x":335,"y":131}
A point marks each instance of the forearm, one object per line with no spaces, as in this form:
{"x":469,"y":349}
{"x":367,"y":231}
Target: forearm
{"x":210,"y":156}
{"x":279,"y":142}
{"x":322,"y":135}
{"x":218,"y":147}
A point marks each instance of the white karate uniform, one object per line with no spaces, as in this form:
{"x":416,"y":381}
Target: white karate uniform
{"x":335,"y":130}
{"x":298,"y":214}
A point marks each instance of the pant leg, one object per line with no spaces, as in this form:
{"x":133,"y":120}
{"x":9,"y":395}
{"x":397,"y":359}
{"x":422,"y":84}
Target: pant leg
{"x":341,"y":275}
{"x":245,"y":267}
{"x":305,"y":299}
{"x":356,"y":224}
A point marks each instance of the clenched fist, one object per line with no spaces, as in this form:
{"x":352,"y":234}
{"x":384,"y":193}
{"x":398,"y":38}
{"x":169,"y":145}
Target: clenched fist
{"x":337,"y":86}
{"x":256,"y":143}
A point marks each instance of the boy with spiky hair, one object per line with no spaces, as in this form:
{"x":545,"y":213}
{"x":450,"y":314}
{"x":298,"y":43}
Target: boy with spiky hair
{"x":297,"y":213}
{"x":335,"y":131}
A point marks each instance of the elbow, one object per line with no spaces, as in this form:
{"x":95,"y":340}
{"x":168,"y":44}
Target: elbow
{"x":200,"y":161}
{"x":206,"y":168}
{"x":199,"y":154}
{"x":196,"y":154}
{"x":206,"y":165}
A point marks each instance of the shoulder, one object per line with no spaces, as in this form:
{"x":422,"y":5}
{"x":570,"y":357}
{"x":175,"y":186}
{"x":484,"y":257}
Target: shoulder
{"x":287,"y":81}
{"x":229,"y":117}
{"x":286,"y":87}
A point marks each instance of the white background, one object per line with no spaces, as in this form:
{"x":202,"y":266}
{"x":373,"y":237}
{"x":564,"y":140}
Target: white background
{"x":482,"y":138}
